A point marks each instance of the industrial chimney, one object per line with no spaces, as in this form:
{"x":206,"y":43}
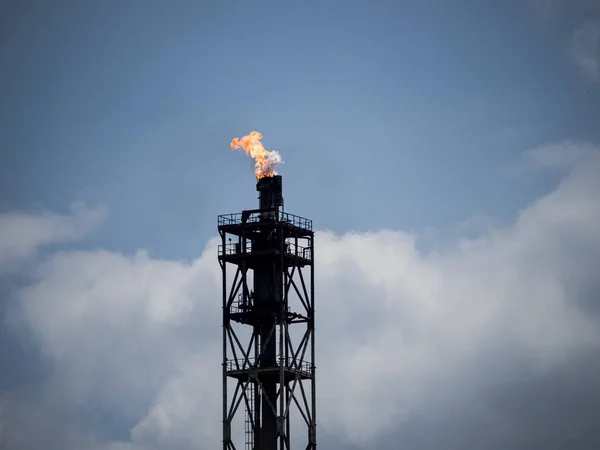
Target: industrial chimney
{"x":268,"y":374}
{"x":270,"y":192}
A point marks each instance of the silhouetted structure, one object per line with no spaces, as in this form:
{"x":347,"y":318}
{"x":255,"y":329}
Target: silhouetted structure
{"x":272,"y":288}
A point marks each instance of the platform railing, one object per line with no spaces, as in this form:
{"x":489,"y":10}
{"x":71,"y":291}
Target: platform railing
{"x":241,"y":305}
{"x":296,"y":221}
{"x":303,"y":367}
{"x":298,"y":251}
{"x":235,"y":248}
{"x":290,"y":249}
{"x":240,"y":364}
{"x":257,"y":216}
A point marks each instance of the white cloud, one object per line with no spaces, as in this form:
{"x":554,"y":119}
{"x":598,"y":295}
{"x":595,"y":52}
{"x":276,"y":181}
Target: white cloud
{"x":21,"y":234}
{"x":401,"y":334}
{"x":126,"y":318}
{"x":563,"y":155}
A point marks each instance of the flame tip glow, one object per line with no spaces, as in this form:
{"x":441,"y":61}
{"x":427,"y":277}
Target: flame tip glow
{"x":264,"y":160}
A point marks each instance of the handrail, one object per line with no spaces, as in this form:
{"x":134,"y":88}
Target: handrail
{"x":291,"y":249}
{"x":235,"y":248}
{"x":258,"y":215}
{"x":239,"y":364}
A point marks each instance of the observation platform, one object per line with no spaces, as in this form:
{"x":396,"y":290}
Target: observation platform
{"x":247,"y":222}
{"x":241,"y":368}
{"x":293,"y":254}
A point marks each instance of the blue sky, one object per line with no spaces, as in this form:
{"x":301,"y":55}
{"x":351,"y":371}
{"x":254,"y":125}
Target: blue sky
{"x":471,"y":126}
{"x":388,"y":114}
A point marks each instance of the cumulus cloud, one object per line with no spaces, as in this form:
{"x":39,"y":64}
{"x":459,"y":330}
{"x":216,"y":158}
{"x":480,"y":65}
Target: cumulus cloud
{"x":21,"y":234}
{"x":486,"y":343}
{"x":563,"y":155}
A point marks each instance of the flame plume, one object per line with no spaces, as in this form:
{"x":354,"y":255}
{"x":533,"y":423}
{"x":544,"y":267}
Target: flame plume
{"x":265,"y":160}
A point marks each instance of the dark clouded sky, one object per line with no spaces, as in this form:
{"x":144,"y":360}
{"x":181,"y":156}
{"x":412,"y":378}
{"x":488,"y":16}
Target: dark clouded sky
{"x":448,"y":154}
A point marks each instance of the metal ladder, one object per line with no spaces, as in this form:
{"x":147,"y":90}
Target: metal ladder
{"x":249,"y":432}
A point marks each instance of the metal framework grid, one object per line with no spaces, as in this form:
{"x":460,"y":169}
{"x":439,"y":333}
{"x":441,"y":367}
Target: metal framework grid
{"x":271,"y":373}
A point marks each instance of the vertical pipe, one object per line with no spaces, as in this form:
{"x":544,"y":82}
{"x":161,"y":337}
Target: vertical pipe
{"x":226,"y":426}
{"x":287,"y":359}
{"x":287,"y":419}
{"x":257,"y":396}
{"x":267,"y":289}
{"x":313,"y":432}
{"x":282,"y":303}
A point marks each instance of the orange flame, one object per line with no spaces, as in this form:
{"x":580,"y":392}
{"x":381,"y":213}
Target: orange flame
{"x":265,"y":160}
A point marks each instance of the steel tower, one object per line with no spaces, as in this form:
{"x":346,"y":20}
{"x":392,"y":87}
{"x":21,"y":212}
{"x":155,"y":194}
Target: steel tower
{"x":272,"y":288}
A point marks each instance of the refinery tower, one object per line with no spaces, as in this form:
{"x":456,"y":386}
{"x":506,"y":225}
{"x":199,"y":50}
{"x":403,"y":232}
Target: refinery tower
{"x":267,"y":261}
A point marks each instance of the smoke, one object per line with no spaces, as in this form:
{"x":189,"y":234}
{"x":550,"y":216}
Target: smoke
{"x":265,"y":160}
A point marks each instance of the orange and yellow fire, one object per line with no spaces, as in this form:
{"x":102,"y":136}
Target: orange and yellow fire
{"x":264,"y":160}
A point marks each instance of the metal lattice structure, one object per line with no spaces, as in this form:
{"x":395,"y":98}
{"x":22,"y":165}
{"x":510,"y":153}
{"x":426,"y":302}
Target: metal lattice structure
{"x":268,"y":300}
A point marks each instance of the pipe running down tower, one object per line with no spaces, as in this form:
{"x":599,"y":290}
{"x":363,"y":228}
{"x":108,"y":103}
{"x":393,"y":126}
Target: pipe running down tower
{"x":266,"y":257}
